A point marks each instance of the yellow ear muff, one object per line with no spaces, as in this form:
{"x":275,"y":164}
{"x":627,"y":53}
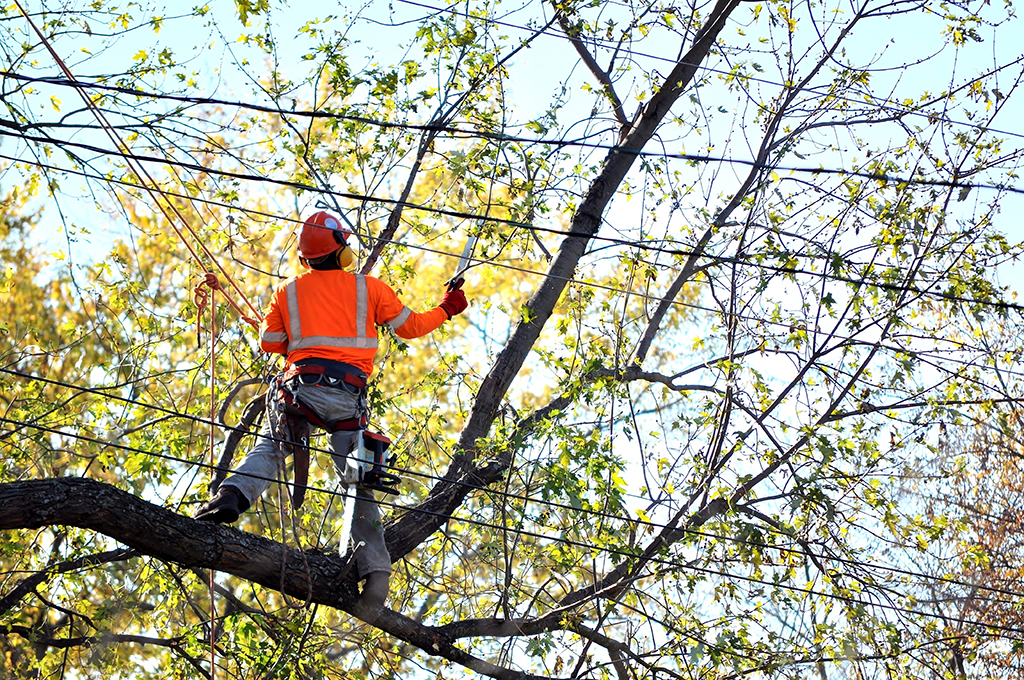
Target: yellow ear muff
{"x":345,"y":256}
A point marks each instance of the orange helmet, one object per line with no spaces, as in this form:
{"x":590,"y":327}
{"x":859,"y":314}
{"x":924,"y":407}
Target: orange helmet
{"x":321,"y":235}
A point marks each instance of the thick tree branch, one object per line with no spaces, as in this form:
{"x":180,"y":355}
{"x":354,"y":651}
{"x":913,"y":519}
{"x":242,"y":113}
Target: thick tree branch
{"x":157,"y":532}
{"x":414,"y":527}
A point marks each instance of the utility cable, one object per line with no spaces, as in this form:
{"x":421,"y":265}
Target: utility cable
{"x":625,"y":554}
{"x":461,"y":214}
{"x":639,"y":295}
{"x":648,"y":247}
{"x":1001,"y":305}
{"x":147,"y":182}
{"x":456,"y":132}
{"x":887,"y":104}
{"x":507,"y":496}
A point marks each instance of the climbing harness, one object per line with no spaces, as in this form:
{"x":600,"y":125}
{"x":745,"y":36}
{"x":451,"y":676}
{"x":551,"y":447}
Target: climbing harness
{"x":366,"y":465}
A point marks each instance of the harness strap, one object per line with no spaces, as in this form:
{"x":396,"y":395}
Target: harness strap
{"x":327,"y":376}
{"x":298,"y":428}
{"x":299,"y":418}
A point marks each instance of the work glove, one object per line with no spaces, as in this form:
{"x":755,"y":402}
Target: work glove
{"x":454,"y":301}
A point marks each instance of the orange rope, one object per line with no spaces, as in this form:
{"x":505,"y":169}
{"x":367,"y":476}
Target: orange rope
{"x":213,"y":460}
{"x":145,"y":180}
{"x":201,"y":295}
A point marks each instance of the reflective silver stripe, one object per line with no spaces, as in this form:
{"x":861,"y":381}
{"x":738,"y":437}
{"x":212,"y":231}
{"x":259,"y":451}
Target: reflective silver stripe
{"x":328,"y":341}
{"x":400,"y":320}
{"x":362,"y":339}
{"x":362,"y":304}
{"x":274,"y":337}
{"x":294,"y":322}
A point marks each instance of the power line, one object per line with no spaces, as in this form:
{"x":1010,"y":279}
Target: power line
{"x":557,"y":32}
{"x":719,"y":573}
{"x":885,"y":104}
{"x":523,"y":225}
{"x":785,"y":270}
{"x":507,"y":496}
{"x":626,"y":554}
{"x":529,"y":226}
{"x":651,"y":297}
{"x":502,"y":137}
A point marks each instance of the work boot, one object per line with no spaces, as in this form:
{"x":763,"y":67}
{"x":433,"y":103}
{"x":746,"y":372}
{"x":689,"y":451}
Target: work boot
{"x":375,"y":589}
{"x":225,"y":507}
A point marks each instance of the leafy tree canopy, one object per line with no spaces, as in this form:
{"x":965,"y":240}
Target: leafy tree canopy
{"x":734,"y":282}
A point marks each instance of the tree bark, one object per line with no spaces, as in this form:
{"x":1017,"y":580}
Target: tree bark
{"x":322,"y":578}
{"x":462,"y":476}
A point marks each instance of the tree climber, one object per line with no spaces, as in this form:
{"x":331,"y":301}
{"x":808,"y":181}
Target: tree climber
{"x":324,"y":322}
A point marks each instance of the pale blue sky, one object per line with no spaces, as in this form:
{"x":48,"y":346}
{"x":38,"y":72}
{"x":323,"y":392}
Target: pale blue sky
{"x":532,"y":80}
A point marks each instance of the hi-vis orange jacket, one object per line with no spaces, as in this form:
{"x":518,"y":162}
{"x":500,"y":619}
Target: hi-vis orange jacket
{"x":334,"y":315}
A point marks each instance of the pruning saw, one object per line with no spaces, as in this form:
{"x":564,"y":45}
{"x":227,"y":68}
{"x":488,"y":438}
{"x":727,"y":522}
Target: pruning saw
{"x":467,"y":255}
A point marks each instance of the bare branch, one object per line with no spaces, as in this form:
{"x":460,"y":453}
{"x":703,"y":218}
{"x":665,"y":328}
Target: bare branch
{"x":32,"y":635}
{"x":27,"y":585}
{"x":607,"y":87}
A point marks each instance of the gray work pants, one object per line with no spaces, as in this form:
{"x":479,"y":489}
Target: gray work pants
{"x":260,"y":466}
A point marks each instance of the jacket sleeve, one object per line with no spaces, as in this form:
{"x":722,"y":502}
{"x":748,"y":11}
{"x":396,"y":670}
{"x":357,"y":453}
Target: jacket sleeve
{"x":273,"y":336}
{"x":407,"y":324}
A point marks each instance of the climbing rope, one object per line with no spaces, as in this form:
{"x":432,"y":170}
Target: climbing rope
{"x":146,"y":181}
{"x":202,"y":293}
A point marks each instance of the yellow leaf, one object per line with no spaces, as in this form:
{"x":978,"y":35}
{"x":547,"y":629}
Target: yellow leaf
{"x":55,"y":102}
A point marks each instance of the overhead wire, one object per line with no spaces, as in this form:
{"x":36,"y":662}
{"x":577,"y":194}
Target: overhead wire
{"x":635,"y":244}
{"x":556,"y":32}
{"x":644,"y":295}
{"x":627,"y":554}
{"x":626,"y":242}
{"x":690,"y":305}
{"x":482,"y":134}
{"x":596,"y":39}
{"x":506,"y":495}
{"x":740,"y":577}
{"x":170,"y":212}
{"x":145,"y":181}
{"x":640,"y":245}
